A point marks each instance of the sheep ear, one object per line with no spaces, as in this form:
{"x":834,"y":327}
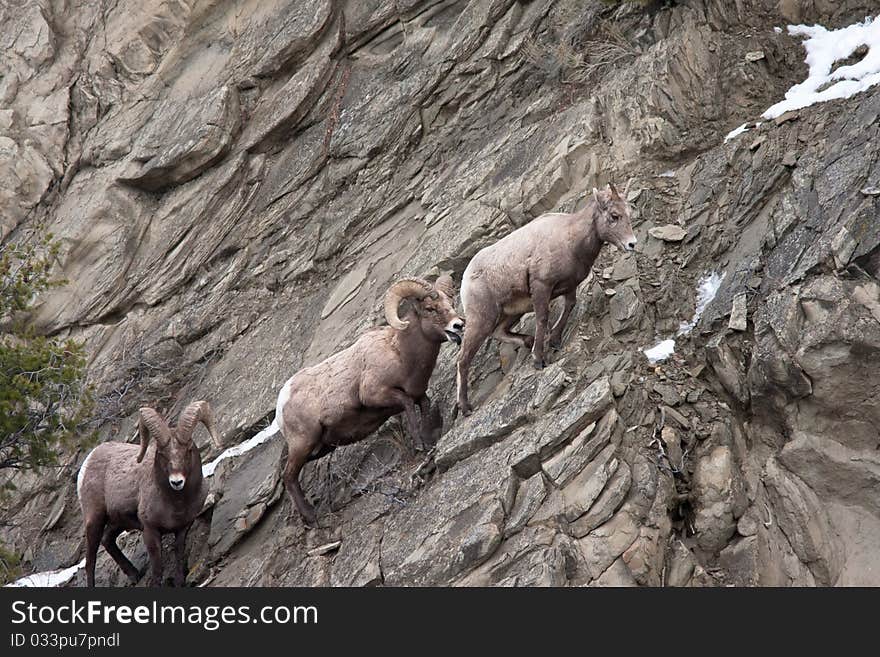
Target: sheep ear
{"x":626,"y":189}
{"x":614,"y":193}
{"x":598,"y":198}
{"x":150,"y":423}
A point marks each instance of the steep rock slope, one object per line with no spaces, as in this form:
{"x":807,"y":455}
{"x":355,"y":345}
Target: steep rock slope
{"x":236,"y":184}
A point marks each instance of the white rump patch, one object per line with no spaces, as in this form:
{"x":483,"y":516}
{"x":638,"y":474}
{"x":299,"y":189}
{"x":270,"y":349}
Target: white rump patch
{"x":465,"y":284}
{"x":81,"y":475}
{"x":824,"y":49}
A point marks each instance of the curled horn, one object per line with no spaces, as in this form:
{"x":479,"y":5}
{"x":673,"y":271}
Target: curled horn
{"x":408,"y":287}
{"x":199,"y":411}
{"x":445,"y":285}
{"x":150,"y":423}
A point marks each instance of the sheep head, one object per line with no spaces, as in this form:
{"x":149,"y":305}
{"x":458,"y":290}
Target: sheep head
{"x":433,"y":307}
{"x":176,"y":454}
{"x":612,"y":218}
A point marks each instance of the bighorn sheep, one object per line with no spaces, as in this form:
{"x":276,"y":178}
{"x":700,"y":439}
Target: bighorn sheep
{"x":349,"y":395}
{"x":524,"y":271}
{"x":156,"y":488}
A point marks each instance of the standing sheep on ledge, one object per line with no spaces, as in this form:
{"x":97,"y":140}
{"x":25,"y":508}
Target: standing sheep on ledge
{"x":524,"y":271}
{"x":345,"y":398}
{"x":156,"y":488}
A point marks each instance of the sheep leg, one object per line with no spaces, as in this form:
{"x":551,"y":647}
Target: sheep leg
{"x":504,"y":334}
{"x":180,"y":556}
{"x":109,"y":543}
{"x":297,"y":454}
{"x":478,"y":328}
{"x":431,"y":421}
{"x":541,"y":302}
{"x":559,"y":326}
{"x":153,"y":541}
{"x":94,"y":531}
{"x":394,"y":397}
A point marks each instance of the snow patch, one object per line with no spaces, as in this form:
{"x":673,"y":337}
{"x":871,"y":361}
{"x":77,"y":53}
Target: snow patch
{"x":241,"y":448}
{"x":825,"y":48}
{"x":733,"y":134}
{"x":661,"y":351}
{"x":707,"y":288}
{"x":745,"y":127}
{"x":49,"y":578}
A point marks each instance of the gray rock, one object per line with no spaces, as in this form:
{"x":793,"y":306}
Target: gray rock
{"x":805,"y":523}
{"x":489,"y":423}
{"x":529,"y":496}
{"x":203,"y":130}
{"x":668,"y":393}
{"x":625,"y":309}
{"x":719,"y":498}
{"x":247,"y":487}
{"x":616,"y":575}
{"x":738,"y":316}
{"x":578,"y":496}
{"x":562,"y":467}
{"x":668,"y":233}
{"x":541,"y":441}
{"x":681,"y":565}
{"x":833,"y":471}
{"x":606,"y":504}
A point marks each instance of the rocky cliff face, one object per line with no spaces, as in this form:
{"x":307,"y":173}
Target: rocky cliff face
{"x":237,"y":183}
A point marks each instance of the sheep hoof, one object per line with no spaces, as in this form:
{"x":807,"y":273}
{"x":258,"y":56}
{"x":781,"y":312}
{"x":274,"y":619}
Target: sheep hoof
{"x":310,"y":520}
{"x":538,"y":363}
{"x":555,"y":343}
{"x":465,"y":409}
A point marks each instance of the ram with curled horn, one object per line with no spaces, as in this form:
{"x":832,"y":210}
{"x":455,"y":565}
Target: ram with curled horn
{"x":346,"y":397}
{"x":156,"y":487}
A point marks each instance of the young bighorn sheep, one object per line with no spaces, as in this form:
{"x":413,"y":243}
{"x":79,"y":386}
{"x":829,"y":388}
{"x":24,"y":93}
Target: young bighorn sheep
{"x":156,"y":488}
{"x":524,"y":271}
{"x":349,"y":395}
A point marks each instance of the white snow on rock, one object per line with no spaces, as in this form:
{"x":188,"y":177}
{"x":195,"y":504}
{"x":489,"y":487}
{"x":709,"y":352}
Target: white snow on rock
{"x":824,"y":49}
{"x":733,"y":134}
{"x":49,"y":578}
{"x":745,"y":127}
{"x":241,"y":448}
{"x":660,"y":351}
{"x":707,"y":288}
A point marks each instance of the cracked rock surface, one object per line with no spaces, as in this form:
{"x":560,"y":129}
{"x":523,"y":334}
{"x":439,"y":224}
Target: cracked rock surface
{"x":235,"y":185}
